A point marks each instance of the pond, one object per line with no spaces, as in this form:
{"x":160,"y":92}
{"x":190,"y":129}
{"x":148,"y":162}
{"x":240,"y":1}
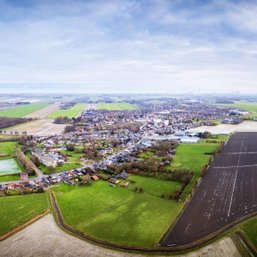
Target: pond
{"x":9,"y":166}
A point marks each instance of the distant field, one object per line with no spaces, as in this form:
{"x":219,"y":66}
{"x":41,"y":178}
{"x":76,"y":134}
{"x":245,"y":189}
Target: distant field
{"x":246,"y":126}
{"x":41,"y":127}
{"x":16,"y":210}
{"x":247,"y":106}
{"x":192,"y":157}
{"x":70,"y":113}
{"x":43,"y":113}
{"x":116,"y":106}
{"x":117,"y":215}
{"x":22,"y":110}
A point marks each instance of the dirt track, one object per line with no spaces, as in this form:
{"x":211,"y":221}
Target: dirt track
{"x":44,"y":238}
{"x":226,"y":194}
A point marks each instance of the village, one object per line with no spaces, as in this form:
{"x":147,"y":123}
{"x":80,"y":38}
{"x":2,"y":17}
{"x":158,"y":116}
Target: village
{"x":100,"y":139}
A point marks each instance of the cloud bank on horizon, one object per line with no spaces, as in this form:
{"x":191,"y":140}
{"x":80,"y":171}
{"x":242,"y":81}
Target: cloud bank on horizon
{"x":126,"y":46}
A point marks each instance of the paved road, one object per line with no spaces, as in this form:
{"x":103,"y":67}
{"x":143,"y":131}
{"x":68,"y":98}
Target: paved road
{"x":226,"y":194}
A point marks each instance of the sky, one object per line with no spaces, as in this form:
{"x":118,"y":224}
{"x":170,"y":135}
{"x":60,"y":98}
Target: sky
{"x":126,"y":46}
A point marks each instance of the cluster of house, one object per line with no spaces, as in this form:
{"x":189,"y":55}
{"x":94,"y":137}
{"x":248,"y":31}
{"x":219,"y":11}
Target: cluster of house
{"x":78,"y":176}
{"x":48,"y":158}
{"x":232,"y":120}
{"x":21,"y":187}
{"x":132,"y":130}
{"x":119,"y":179}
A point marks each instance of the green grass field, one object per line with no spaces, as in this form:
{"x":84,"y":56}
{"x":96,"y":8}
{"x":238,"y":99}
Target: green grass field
{"x":153,"y":186}
{"x":116,"y":106}
{"x":16,"y":210}
{"x":9,"y":178}
{"x":192,"y":157}
{"x":247,"y":106}
{"x":22,"y":110}
{"x":9,"y":166}
{"x":65,"y":167}
{"x":70,"y":113}
{"x":147,"y":155}
{"x":117,"y":215}
{"x":8,"y":148}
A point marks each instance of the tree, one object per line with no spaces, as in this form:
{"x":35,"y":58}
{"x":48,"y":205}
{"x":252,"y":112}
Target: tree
{"x":154,"y":165}
{"x":70,"y":147}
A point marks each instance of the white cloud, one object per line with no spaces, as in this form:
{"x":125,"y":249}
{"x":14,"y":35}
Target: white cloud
{"x":125,"y":46}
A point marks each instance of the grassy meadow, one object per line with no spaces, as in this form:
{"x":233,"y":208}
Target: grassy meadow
{"x":57,"y":169}
{"x":116,"y":214}
{"x":22,"y":110}
{"x":8,"y":148}
{"x":70,"y":113}
{"x":16,"y":210}
{"x":192,"y":157}
{"x":152,"y":186}
{"x":7,"y":178}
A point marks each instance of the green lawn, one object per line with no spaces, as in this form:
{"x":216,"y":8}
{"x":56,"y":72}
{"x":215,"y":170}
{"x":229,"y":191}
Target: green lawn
{"x":70,"y":113}
{"x":153,"y":186}
{"x":116,"y":106}
{"x":22,"y":110}
{"x":16,"y":210}
{"x":147,"y":155}
{"x":117,"y":215}
{"x":8,"y":148}
{"x":65,"y":167}
{"x":9,"y":178}
{"x":192,"y":157}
